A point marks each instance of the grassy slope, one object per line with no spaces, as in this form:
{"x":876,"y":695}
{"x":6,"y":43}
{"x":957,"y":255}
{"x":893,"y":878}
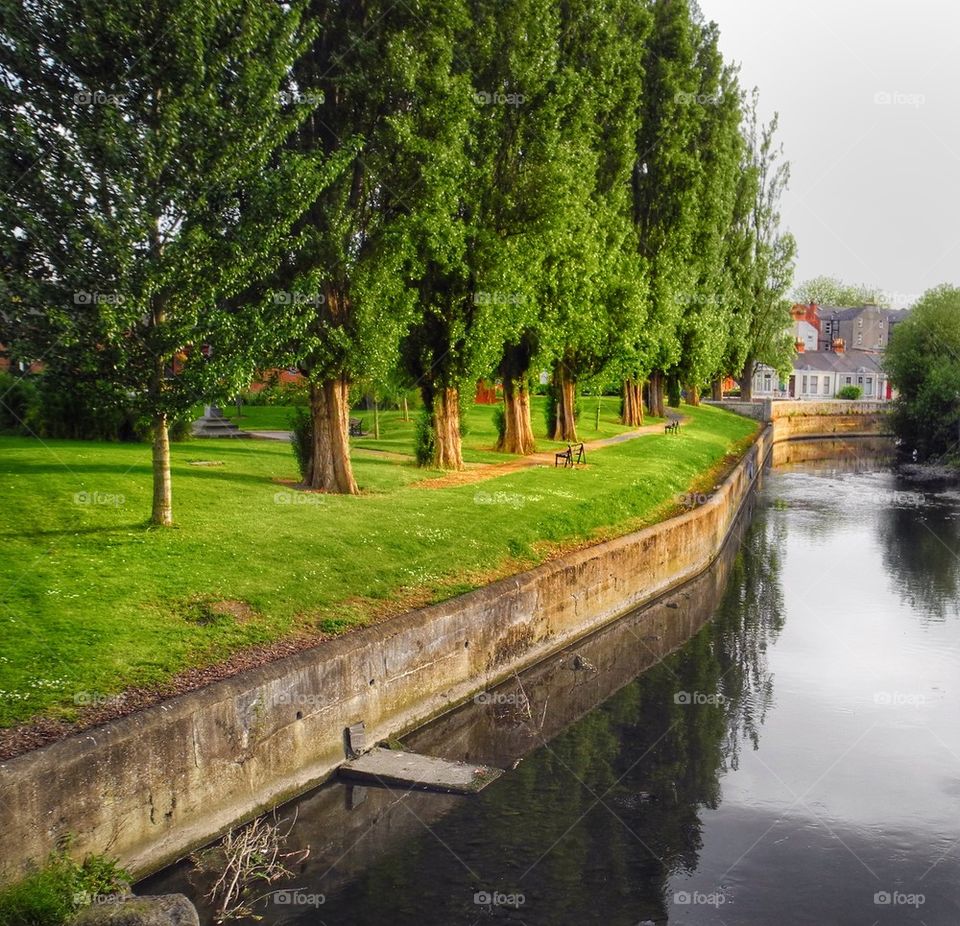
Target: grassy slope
{"x":91,"y":601}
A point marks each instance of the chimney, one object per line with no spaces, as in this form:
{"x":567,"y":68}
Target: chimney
{"x":800,"y":345}
{"x":839,"y":345}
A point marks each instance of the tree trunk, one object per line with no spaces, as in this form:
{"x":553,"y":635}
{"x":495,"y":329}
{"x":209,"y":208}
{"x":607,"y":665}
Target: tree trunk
{"x":162,"y":492}
{"x":565,"y":391}
{"x":746,"y":382}
{"x":406,"y":410}
{"x":632,"y":403}
{"x":716,"y":388}
{"x":656,"y":395}
{"x":330,"y":468}
{"x":448,"y":453}
{"x":693,"y":395}
{"x":518,"y":431}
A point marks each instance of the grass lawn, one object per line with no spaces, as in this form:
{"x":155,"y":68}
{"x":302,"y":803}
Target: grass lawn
{"x":397,"y":435}
{"x":92,"y":601}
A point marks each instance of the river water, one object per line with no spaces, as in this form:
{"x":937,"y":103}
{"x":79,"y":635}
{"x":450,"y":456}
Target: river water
{"x":776,"y":743}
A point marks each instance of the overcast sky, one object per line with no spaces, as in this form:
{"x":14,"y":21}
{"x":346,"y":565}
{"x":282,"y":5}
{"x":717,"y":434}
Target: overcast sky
{"x":868,"y":93}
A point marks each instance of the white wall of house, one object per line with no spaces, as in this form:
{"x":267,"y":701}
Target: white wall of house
{"x":808,"y":334}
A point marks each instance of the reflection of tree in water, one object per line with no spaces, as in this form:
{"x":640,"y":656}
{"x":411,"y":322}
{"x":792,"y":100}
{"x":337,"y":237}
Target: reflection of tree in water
{"x":921,"y":546}
{"x":750,"y":618}
{"x":592,"y":826}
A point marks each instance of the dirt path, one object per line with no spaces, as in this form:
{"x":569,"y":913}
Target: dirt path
{"x":545,"y":458}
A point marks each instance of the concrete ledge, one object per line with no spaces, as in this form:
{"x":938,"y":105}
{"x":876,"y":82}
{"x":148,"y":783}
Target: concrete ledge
{"x":154,"y":785}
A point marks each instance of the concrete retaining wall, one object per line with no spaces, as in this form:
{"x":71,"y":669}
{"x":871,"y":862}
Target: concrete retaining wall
{"x":152,"y":786}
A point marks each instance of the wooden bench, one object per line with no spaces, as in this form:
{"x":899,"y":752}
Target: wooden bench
{"x":673,"y":427}
{"x":568,"y":456}
{"x":356,"y":427}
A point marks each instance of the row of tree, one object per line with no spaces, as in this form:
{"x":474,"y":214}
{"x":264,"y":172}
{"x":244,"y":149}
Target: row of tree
{"x":448,"y":188}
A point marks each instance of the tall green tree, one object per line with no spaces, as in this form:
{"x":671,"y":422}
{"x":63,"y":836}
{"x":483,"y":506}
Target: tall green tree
{"x":666,"y":183}
{"x":923,"y":362}
{"x":768,"y":338}
{"x":343,"y":275}
{"x":704,"y":323}
{"x":146,"y":191}
{"x":594,"y":282}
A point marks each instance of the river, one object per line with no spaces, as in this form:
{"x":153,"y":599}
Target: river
{"x":776,"y":743}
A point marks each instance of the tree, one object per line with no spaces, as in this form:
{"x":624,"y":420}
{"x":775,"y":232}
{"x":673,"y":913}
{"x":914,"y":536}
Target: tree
{"x":774,"y":252}
{"x":923,"y":362}
{"x":704,"y":326}
{"x":824,"y":290}
{"x":665,"y":186}
{"x":343,"y":277}
{"x":453,"y":334}
{"x":594,"y":281}
{"x":146,"y":191}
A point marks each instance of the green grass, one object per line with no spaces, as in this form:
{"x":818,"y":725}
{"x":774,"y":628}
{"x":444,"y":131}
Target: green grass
{"x":397,"y":435}
{"x":92,"y":601}
{"x":52,"y":895}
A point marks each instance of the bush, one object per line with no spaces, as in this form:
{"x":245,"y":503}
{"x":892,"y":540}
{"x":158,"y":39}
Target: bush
{"x":20,"y":404}
{"x":276,"y":393}
{"x":51,"y":896}
{"x":425,"y":441}
{"x":302,"y":440}
{"x":849,"y":392}
{"x":500,"y":423}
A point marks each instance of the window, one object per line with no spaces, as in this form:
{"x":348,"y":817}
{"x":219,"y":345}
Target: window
{"x":848,"y":381}
{"x":766,"y":382}
{"x":803,"y":385}
{"x":869,"y":390}
{"x":826,"y":385}
{"x":814,"y":384}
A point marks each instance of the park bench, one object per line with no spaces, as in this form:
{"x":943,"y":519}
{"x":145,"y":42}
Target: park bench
{"x":672,"y":427}
{"x":568,"y":456}
{"x":356,"y":427}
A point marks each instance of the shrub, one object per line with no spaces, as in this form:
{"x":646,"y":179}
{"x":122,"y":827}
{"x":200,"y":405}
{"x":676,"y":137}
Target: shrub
{"x":425,"y":441}
{"x":302,"y":441}
{"x":52,"y":895}
{"x":20,"y":404}
{"x":500,"y":423}
{"x":849,"y":392}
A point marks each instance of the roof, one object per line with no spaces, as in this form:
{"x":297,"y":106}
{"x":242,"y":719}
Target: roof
{"x":844,"y":313}
{"x":850,"y":361}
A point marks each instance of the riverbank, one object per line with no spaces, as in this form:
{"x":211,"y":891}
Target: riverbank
{"x":155,"y":784}
{"x":103,"y":616}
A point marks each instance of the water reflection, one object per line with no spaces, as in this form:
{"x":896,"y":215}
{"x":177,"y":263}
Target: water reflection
{"x":796,"y":759}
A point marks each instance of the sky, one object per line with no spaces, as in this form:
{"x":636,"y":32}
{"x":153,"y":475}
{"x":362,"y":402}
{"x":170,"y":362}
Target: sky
{"x":868,"y":93}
